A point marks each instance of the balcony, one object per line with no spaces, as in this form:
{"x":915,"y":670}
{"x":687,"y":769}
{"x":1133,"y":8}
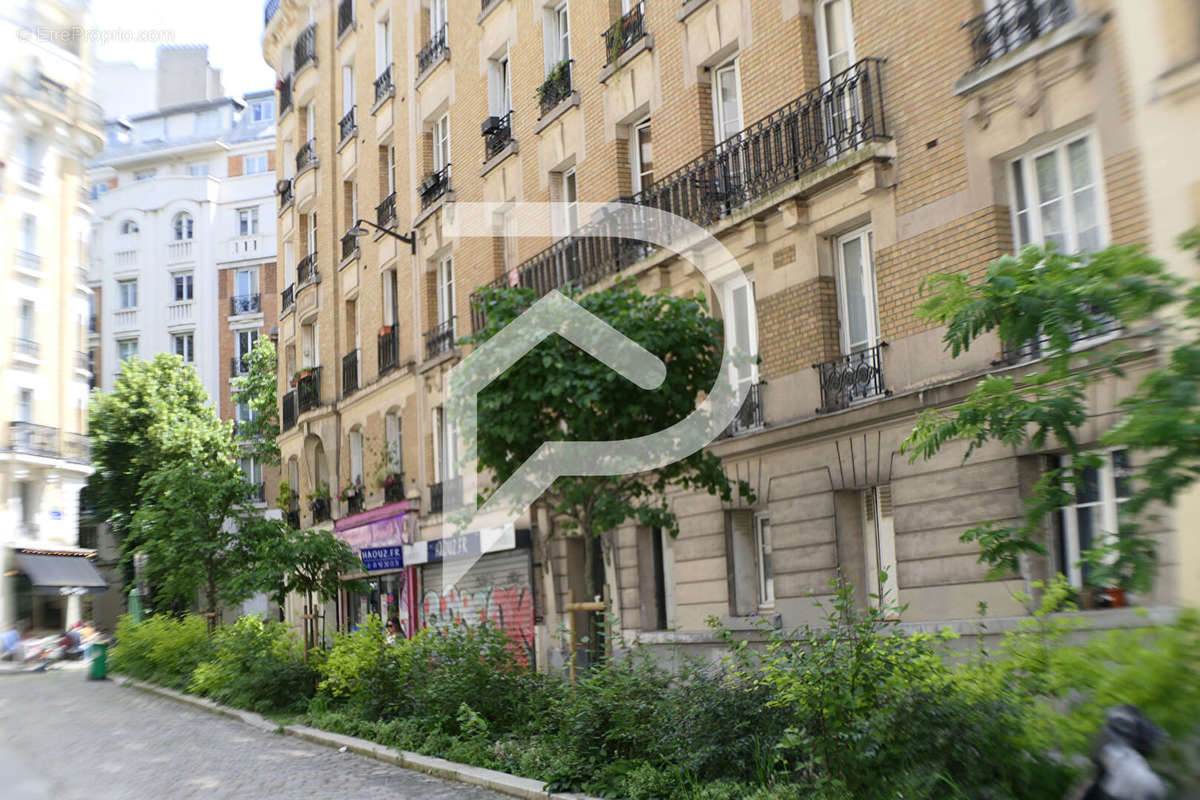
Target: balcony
{"x":83,"y":361}
{"x":497,"y":133}
{"x":434,"y":187}
{"x":308,"y":390}
{"x":243,"y":247}
{"x":287,"y":415}
{"x":440,"y":339}
{"x":388,"y":345}
{"x":306,"y":156}
{"x":1012,"y":24}
{"x":258,"y":492}
{"x":284,"y":85}
{"x":1103,"y":327}
{"x":345,"y":16}
{"x":846,"y":380}
{"x":354,"y":504}
{"x":625,"y":33}
{"x":306,"y":271}
{"x":304,"y":51}
{"x":292,"y":518}
{"x":350,"y":373}
{"x":347,"y":126}
{"x":319,"y":508}
{"x":433,"y":51}
{"x":245,"y":304}
{"x":128,"y":258}
{"x":349,"y":245}
{"x":383,"y":84}
{"x":33,"y":440}
{"x":556,"y":87}
{"x":269,"y":10}
{"x":28,"y":262}
{"x":239,"y":366}
{"x":176,"y":251}
{"x":34,"y":175}
{"x":287,"y":193}
{"x":393,"y":487}
{"x":287,"y":298}
{"x":93,"y":324}
{"x":77,"y":448}
{"x":839,"y":116}
{"x":750,"y":416}
{"x":446,"y":494}
{"x":125,"y":319}
{"x":385,"y":212}
{"x":27,"y":347}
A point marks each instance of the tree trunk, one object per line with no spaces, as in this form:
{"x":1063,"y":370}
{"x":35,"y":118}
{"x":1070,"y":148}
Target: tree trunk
{"x":212,"y":599}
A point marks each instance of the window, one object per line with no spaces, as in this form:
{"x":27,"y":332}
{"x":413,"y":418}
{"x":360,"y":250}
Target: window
{"x":879,"y":547}
{"x":762,"y":560}
{"x":183,"y":286}
{"x":263,"y":111}
{"x":356,"y":456}
{"x":560,"y":31}
{"x":308,"y":351}
{"x":1093,"y":519}
{"x":26,"y":322}
{"x":129,"y":227}
{"x":183,"y":226}
{"x":642,"y":157}
{"x":1055,"y":197}
{"x":347,"y":88}
{"x":446,"y":451}
{"x":736,"y":306}
{"x":244,"y":412}
{"x":184,"y":346}
{"x":445,"y":291}
{"x":499,"y":87}
{"x":727,"y":102}
{"x":437,"y":16}
{"x":570,"y":198}
{"x":252,"y":469}
{"x":441,"y":143}
{"x":245,"y":282}
{"x":247,"y":224}
{"x":29,"y":233}
{"x":245,"y":343}
{"x":652,"y":577}
{"x":255,"y":164}
{"x":25,"y":405}
{"x":391,"y":430}
{"x":127,"y":349}
{"x":857,"y":306}
{"x":383,"y":45}
{"x":199,"y":170}
{"x":145,"y":174}
{"x":127,"y":294}
{"x":835,"y":38}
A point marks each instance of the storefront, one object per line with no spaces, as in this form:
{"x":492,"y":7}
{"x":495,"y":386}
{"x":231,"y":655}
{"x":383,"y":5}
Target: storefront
{"x":497,"y":587}
{"x":377,"y":537}
{"x":48,"y":587}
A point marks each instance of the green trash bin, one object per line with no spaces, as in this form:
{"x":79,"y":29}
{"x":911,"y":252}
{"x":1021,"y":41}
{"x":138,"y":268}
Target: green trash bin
{"x":98,"y":669}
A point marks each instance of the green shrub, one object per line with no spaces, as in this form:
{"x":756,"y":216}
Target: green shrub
{"x":256,"y":665}
{"x":162,"y":649}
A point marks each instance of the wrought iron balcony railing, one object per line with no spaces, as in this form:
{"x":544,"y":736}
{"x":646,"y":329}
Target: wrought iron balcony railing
{"x":350,"y":373}
{"x":292,"y":518}
{"x":286,"y":193}
{"x":346,"y":125}
{"x":556,"y":87}
{"x":497,"y":133}
{"x":345,"y":15}
{"x":306,"y":156}
{"x":383,"y":84}
{"x":388,"y":349}
{"x":385,"y":212}
{"x":76,"y":448}
{"x":434,"y":186}
{"x":1104,"y":325}
{"x":848,"y":379}
{"x":304,"y":51}
{"x":838,"y":116}
{"x":285,"y":94}
{"x":239,"y":366}
{"x":33,"y":440}
{"x":439,"y":339}
{"x":245,"y":304}
{"x":319,"y":508}
{"x":433,"y":50}
{"x":27,"y":347}
{"x":306,"y":271}
{"x":750,"y":416}
{"x":258,"y":492}
{"x":287,"y":415}
{"x":625,"y":32}
{"x":349,"y":245}
{"x":287,"y":298}
{"x":445,"y":494}
{"x":393,"y":489}
{"x":308,"y":390}
{"x":1012,"y":24}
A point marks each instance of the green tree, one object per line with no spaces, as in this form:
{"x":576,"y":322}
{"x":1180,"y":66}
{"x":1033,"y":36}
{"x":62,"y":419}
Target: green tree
{"x":557,"y":392}
{"x":1048,"y":300}
{"x":259,"y":391}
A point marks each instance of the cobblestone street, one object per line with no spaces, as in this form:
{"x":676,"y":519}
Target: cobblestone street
{"x":63,"y":737}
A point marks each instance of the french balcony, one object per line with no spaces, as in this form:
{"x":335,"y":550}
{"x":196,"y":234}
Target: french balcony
{"x":1103,"y":326}
{"x":750,"y":416}
{"x":384,"y":85}
{"x":258,"y":492}
{"x":319,"y":508}
{"x":625,"y":33}
{"x":287,"y":193}
{"x":308,"y":390}
{"x":27,"y":347}
{"x":128,"y":258}
{"x":434,"y":187}
{"x":76,"y":448}
{"x":239,"y":366}
{"x":556,"y":87}
{"x":125,"y":319}
{"x":33,"y":440}
{"x":287,"y":414}
{"x":846,"y":380}
{"x":1012,"y":24}
{"x":28,"y":262}
{"x":287,"y":298}
{"x":439,"y":339}
{"x":350,"y":373}
{"x":245,"y":304}
{"x":34,"y":175}
{"x":347,"y":126}
{"x":445,"y":494}
{"x":176,"y":251}
{"x":304,"y":51}
{"x":292,"y":518}
{"x":837,"y":117}
{"x":284,"y":85}
{"x":385,"y":212}
{"x":345,"y":16}
{"x":306,"y":271}
{"x":306,"y":156}
{"x":497,"y":133}
{"x":393,"y":488}
{"x":388,"y":345}
{"x":349,"y":245}
{"x":433,"y":51}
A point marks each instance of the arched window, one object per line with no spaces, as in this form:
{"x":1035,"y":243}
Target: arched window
{"x":183,"y":226}
{"x":128,"y":227}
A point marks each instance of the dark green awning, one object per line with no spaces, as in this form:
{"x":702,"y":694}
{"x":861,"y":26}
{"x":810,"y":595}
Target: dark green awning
{"x":52,"y":573}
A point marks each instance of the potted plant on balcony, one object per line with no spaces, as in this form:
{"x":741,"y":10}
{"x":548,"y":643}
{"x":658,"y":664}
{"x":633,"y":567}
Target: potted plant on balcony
{"x":318,"y":502}
{"x":352,"y":491}
{"x":556,"y":76}
{"x":1124,"y":565}
{"x":301,"y":374}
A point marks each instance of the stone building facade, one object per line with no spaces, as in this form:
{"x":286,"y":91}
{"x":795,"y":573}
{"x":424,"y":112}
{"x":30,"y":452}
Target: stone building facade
{"x":842,"y":150}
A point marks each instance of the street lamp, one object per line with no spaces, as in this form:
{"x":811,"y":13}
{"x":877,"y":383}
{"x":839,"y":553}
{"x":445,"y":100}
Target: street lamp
{"x":359,"y":230}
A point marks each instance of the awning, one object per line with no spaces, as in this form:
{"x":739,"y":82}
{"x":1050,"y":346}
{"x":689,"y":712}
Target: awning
{"x":61,"y":574}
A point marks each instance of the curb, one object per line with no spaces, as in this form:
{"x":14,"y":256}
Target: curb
{"x":431,"y":765}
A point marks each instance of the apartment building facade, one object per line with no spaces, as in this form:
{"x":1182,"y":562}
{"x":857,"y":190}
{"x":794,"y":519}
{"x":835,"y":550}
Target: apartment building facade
{"x":842,"y":151}
{"x":48,"y":128}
